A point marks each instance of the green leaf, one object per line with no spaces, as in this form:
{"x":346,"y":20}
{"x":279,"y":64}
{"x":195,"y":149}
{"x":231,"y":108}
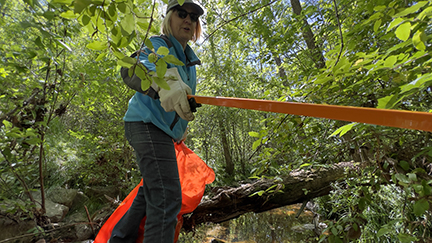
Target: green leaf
{"x":377,"y":25}
{"x":412,"y":176}
{"x":388,"y":102}
{"x":80,"y":5}
{"x":362,"y":203}
{"x":68,"y":2}
{"x":403,"y":32}
{"x":418,"y":189}
{"x":118,"y":54}
{"x":421,"y":206}
{"x":256,"y":144}
{"x":323,"y":80}
{"x":144,"y":24}
{"x":425,"y":13}
{"x":163,"y":51}
{"x":152,"y":57}
{"x":390,"y":61}
{"x":127,"y":62}
{"x":49,"y":15}
{"x":427,"y":190}
{"x":68,"y":15}
{"x":141,"y":72}
{"x":145,"y":84}
{"x":380,"y":8}
{"x":33,"y":141}
{"x":419,"y":39}
{"x":161,"y":68}
{"x":149,"y":44}
{"x":85,"y":19}
{"x":404,"y":165}
{"x":101,"y":57}
{"x":406,"y":238}
{"x":173,"y":60}
{"x":122,"y":7}
{"x":383,"y":231}
{"x":344,"y":129}
{"x":29,"y":2}
{"x":98,"y":45}
{"x":161,"y":83}
{"x":394,"y":23}
{"x":128,"y":23}
{"x":259,"y":193}
{"x":38,"y":42}
{"x":181,"y":2}
{"x":419,"y":82}
{"x":254,"y":134}
{"x":411,"y":9}
{"x":7,"y":124}
{"x":334,"y":231}
{"x":402,"y":178}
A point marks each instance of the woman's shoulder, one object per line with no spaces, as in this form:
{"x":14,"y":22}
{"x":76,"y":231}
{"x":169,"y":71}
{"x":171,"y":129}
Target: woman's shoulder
{"x":160,"y":40}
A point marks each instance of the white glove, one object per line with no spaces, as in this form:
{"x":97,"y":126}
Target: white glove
{"x":175,"y":99}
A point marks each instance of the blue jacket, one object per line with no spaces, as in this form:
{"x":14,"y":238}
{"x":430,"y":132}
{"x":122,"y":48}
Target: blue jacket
{"x":144,"y":108}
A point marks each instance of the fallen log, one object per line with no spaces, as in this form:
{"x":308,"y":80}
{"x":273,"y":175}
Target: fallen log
{"x":299,"y":186}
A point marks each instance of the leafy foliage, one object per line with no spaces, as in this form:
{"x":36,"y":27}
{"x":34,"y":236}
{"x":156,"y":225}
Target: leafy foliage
{"x":63,"y":100}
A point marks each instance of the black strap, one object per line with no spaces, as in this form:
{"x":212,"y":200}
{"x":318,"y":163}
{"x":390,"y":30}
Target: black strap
{"x":176,"y":118}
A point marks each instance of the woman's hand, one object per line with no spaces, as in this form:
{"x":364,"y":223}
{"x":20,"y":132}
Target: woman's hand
{"x":176,"y":99}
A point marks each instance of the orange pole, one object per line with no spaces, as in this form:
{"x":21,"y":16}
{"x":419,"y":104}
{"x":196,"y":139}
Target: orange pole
{"x":384,"y":117}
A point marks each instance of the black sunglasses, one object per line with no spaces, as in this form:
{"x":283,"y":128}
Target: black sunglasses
{"x":183,"y":14}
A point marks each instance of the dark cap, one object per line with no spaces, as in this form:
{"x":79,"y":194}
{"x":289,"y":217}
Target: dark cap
{"x":196,"y":7}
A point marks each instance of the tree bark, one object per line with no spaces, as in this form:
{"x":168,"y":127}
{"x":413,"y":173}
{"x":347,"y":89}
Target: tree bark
{"x":226,"y":149}
{"x":308,"y":36}
{"x":299,"y":186}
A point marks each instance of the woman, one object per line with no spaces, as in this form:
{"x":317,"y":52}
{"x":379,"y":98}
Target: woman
{"x":150,"y":129}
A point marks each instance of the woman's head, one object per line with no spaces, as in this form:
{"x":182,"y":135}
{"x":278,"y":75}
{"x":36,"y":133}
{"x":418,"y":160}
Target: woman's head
{"x":182,"y":22}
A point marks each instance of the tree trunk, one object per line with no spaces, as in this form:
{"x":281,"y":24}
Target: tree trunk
{"x":226,"y":203}
{"x":299,"y":186}
{"x":278,"y":61}
{"x":308,"y":36}
{"x":226,"y":149}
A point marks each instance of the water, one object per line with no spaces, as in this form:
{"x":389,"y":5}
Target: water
{"x":275,"y":226}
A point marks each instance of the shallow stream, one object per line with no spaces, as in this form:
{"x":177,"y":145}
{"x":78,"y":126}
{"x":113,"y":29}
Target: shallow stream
{"x":274,"y":226}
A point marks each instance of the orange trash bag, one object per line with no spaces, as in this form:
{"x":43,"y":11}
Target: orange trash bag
{"x":194,"y":175}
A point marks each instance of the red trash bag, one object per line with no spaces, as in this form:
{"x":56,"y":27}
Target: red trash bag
{"x":194,"y":175}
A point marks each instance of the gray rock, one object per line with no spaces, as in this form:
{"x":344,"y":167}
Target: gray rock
{"x":71,"y":198}
{"x":62,"y":195}
{"x":54,"y":211}
{"x":82,"y":231}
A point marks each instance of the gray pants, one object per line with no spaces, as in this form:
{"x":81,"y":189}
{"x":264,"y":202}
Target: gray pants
{"x":160,"y":196}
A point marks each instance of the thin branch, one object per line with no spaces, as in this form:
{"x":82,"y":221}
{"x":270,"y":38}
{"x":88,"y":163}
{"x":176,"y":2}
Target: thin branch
{"x":149,"y":27}
{"x":233,"y":19}
{"x":147,"y":33}
{"x":90,"y":221}
{"x":340,"y":32}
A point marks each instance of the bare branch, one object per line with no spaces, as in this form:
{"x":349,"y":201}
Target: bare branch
{"x":233,"y":19}
{"x":340,"y":32}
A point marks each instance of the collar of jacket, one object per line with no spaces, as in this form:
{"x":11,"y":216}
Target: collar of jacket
{"x":191,"y":57}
